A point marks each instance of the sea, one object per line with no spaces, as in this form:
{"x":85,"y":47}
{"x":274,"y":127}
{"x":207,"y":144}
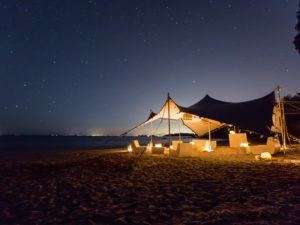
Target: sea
{"x":10,"y":145}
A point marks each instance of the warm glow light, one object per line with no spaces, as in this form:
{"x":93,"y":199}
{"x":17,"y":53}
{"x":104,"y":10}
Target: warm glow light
{"x":129,"y":149}
{"x":244,"y":144}
{"x":192,"y":142}
{"x":207,"y":147}
{"x":232,"y":132}
{"x":149,"y":145}
{"x":171,"y":147}
{"x":158,"y":145}
{"x":265,"y":155}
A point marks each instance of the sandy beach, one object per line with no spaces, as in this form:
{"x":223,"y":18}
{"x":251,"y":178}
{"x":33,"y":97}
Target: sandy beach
{"x":90,"y":187}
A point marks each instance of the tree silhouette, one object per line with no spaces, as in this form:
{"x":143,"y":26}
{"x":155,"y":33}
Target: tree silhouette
{"x":297,"y":38}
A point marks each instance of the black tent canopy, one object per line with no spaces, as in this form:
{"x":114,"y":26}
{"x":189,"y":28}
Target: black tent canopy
{"x":255,"y":115}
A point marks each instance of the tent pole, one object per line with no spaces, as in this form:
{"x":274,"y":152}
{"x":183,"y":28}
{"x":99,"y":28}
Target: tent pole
{"x":284,"y":122}
{"x":179,"y":130}
{"x":209,"y":136}
{"x":281,"y":120}
{"x":151,"y":134}
{"x":169,"y":121}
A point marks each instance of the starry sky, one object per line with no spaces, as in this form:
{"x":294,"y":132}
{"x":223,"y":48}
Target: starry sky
{"x":98,"y":67}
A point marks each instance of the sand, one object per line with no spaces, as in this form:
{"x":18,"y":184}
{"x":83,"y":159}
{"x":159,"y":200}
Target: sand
{"x":221,"y":187}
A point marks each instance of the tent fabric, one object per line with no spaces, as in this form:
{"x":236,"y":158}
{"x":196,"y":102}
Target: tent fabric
{"x":151,"y":116}
{"x":254,"y":115}
{"x":201,"y":126}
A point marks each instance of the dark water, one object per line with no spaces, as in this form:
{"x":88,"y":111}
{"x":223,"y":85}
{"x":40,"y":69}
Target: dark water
{"x":36,"y":144}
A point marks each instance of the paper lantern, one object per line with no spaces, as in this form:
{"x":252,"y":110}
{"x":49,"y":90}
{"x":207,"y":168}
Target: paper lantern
{"x":265,"y":155}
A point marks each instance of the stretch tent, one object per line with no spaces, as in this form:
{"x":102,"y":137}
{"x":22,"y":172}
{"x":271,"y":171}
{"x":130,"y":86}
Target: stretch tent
{"x":254,"y":115}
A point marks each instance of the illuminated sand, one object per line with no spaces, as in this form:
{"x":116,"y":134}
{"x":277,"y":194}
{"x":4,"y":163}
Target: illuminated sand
{"x":94,"y":188}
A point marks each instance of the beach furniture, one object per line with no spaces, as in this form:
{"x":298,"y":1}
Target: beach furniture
{"x":173,"y":149}
{"x":200,"y":145}
{"x":237,"y":140}
{"x":136,"y":148}
{"x":182,"y":150}
{"x":272,"y":146}
{"x":175,"y":144}
{"x":158,"y":149}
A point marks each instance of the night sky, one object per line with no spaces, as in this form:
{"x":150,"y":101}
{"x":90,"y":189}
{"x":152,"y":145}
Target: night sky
{"x":86,"y":67}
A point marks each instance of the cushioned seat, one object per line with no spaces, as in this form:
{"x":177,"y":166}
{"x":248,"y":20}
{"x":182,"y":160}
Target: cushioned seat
{"x":136,"y":148}
{"x":182,"y":150}
{"x":200,"y":145}
{"x":272,"y":146}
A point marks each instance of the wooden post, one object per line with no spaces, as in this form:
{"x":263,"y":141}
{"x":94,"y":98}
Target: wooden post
{"x":282,"y":125}
{"x":151,"y":135}
{"x":169,"y":120}
{"x":209,"y":136}
{"x":179,"y":130}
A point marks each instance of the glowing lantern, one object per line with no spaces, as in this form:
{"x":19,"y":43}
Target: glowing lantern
{"x":149,"y":146}
{"x":171,"y":147}
{"x":129,"y":149}
{"x":265,"y":155}
{"x":207,"y":147}
{"x":158,"y":145}
{"x":232,"y":132}
{"x":244,"y":145}
{"x":192,"y":143}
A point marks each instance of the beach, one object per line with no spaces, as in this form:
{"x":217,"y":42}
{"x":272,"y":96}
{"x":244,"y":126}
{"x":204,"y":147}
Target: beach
{"x":115,"y":187}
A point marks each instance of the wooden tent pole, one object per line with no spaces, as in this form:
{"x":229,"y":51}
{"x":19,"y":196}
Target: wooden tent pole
{"x":281,"y":120}
{"x":179,"y":130}
{"x":169,"y":121}
{"x":151,"y":134}
{"x":209,"y":136}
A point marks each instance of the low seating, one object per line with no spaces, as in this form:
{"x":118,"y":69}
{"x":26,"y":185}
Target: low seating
{"x":200,"y":145}
{"x":158,"y":150}
{"x":175,"y":144}
{"x":182,"y":150}
{"x":272,"y":146}
{"x":235,"y":140}
{"x":136,"y":148}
